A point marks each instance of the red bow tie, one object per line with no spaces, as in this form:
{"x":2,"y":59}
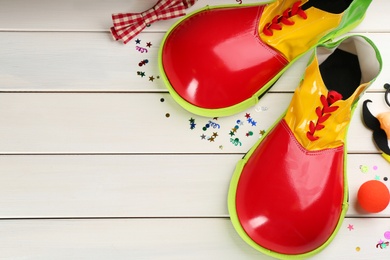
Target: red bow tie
{"x":128,"y":25}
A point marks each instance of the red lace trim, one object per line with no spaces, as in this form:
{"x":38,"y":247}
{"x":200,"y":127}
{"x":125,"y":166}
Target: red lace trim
{"x":284,"y":19}
{"x":323,"y":113}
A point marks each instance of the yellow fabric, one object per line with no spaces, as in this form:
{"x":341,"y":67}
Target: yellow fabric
{"x":296,"y":39}
{"x":302,"y":110}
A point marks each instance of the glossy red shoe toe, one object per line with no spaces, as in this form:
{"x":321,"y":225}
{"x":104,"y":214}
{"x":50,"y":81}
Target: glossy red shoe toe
{"x":291,"y":206}
{"x":215,"y":58}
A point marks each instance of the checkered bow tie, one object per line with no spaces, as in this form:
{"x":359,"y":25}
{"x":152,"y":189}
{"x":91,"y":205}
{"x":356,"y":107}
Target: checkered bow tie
{"x":128,"y":25}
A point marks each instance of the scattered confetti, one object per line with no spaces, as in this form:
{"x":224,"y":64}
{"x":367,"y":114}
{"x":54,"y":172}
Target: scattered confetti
{"x":375,"y":168}
{"x":137,"y":41}
{"x":234,"y":129}
{"x":151,"y":78}
{"x":235,"y":141}
{"x":385,"y":179}
{"x":261,"y":108}
{"x":213,"y":124}
{"x":262,"y":132}
{"x":141,"y":73}
{"x":350,"y":227}
{"x":208,"y":129}
{"x":357,"y":249}
{"x":141,"y":49}
{"x":382,"y":244}
{"x":364,"y":168}
{"x":149,"y":44}
{"x":250,"y":133}
{"x":377,"y":177}
{"x":143,"y":62}
{"x":192,"y":123}
{"x":250,"y":120}
{"x":167,"y":115}
{"x":162,"y":99}
{"x":387,"y":234}
{"x":213,"y":137}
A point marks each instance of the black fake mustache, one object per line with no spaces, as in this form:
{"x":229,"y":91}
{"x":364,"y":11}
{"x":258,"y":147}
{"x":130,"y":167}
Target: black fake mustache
{"x":379,"y":135}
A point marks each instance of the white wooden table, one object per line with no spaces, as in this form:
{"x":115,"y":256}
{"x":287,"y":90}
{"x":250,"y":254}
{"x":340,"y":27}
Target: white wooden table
{"x":98,"y":162}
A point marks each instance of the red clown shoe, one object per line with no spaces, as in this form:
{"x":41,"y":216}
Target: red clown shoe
{"x":219,"y":61}
{"x":289,"y":195}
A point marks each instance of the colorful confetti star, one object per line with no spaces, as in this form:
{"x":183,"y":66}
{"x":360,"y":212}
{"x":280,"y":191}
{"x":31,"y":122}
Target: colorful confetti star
{"x":253,"y":123}
{"x":211,"y":139}
{"x":141,"y":73}
{"x":231,"y":133}
{"x":203,"y":136}
{"x":250,"y":120}
{"x":215,"y":134}
{"x":262,"y":132}
{"x":350,"y":227}
{"x":247,"y":115}
{"x":192,"y":126}
{"x":137,"y":41}
{"x":149,"y":44}
{"x":192,"y":120}
{"x":151,"y":78}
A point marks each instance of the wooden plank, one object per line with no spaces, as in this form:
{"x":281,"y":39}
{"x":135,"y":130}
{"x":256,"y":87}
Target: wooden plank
{"x":76,"y":62}
{"x":73,"y":15}
{"x":80,"y":62}
{"x":140,"y":185}
{"x":121,"y":123}
{"x":86,"y":15}
{"x":115,"y":186}
{"x":166,"y":239}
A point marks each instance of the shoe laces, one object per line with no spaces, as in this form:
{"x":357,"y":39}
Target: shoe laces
{"x":323,"y":113}
{"x":277,"y":21}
